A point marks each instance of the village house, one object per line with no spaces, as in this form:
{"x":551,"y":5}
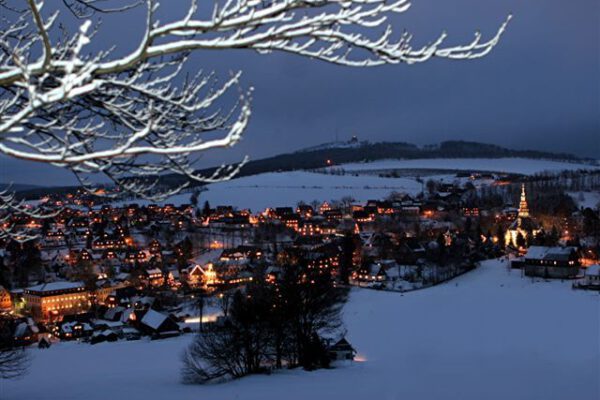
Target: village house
{"x":5,"y":299}
{"x":550,"y":262}
{"x":240,"y":253}
{"x":371,"y":273}
{"x":154,"y":277}
{"x":310,"y":227}
{"x":74,"y":330}
{"x":341,"y":350}
{"x":54,"y":238}
{"x":155,"y":324}
{"x":305,"y":210}
{"x":194,"y":275}
{"x":591,"y":277}
{"x":105,"y":288}
{"x":25,"y":332}
{"x":109,"y":243}
{"x":106,"y":335}
{"x":52,"y":301}
{"x":291,"y":221}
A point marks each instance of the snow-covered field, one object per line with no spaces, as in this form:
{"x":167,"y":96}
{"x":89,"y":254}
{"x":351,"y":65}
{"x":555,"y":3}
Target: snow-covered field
{"x":280,"y":189}
{"x":288,"y":188}
{"x":506,"y":165}
{"x":486,"y":335}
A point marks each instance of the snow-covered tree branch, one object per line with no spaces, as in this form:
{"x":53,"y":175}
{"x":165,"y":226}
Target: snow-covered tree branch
{"x":135,"y":117}
{"x":14,"y":212}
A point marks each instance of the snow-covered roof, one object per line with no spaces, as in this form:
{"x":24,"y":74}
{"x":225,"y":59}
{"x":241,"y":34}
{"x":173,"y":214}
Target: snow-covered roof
{"x":67,"y":327}
{"x":543,"y":252}
{"x":52,"y":286}
{"x":111,"y":313}
{"x":21,"y":329}
{"x":153,"y":271}
{"x":393,"y":272}
{"x":153,"y":319}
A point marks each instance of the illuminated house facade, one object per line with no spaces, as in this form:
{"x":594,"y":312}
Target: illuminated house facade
{"x":5,"y":300}
{"x":551,"y":262}
{"x":52,"y":301}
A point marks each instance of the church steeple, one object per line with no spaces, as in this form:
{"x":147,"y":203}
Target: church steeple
{"x":523,"y":208}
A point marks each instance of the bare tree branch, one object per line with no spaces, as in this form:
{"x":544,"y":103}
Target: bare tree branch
{"x":136,"y":117}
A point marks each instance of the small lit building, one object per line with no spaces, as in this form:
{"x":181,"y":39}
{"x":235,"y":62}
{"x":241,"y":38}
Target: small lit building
{"x":291,"y":221}
{"x":194,"y":275}
{"x":75,"y":330}
{"x":341,"y":350}
{"x":157,"y":324}
{"x":371,"y":273}
{"x":551,"y":262}
{"x":105,"y":288}
{"x":472,"y":212}
{"x":154,"y":276}
{"x":5,"y":299}
{"x":52,"y":301}
{"x":591,"y":276}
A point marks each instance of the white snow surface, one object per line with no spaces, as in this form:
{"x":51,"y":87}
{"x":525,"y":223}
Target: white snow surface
{"x":286,"y":189}
{"x":62,"y":285}
{"x":489,"y":334}
{"x":586,"y":199}
{"x":506,"y":165}
{"x":281,"y":189}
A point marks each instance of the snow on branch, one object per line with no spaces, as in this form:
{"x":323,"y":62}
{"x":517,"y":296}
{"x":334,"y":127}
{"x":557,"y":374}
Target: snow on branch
{"x":12,"y":214}
{"x":138,"y":117}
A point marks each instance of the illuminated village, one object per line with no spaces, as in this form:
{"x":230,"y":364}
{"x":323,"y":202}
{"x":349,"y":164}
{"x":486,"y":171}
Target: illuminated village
{"x":299,"y":199}
{"x":103,"y":272}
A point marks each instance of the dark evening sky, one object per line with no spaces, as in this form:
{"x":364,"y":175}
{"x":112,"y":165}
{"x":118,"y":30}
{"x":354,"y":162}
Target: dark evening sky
{"x":539,"y":88}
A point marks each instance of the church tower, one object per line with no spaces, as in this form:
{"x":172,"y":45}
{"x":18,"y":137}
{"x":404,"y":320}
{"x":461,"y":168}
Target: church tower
{"x":523,"y":207}
{"x":523,"y":226}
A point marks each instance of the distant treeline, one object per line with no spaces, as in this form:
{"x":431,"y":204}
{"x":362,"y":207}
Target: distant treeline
{"x":313,"y":159}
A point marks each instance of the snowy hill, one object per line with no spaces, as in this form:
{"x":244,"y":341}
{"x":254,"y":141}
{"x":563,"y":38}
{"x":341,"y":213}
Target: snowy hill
{"x":278,"y":189}
{"x":489,"y":335}
{"x":361,"y":181}
{"x":354,"y":151}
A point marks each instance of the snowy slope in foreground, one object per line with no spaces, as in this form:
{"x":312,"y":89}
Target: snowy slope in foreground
{"x":487,"y":335}
{"x":507,"y":165}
